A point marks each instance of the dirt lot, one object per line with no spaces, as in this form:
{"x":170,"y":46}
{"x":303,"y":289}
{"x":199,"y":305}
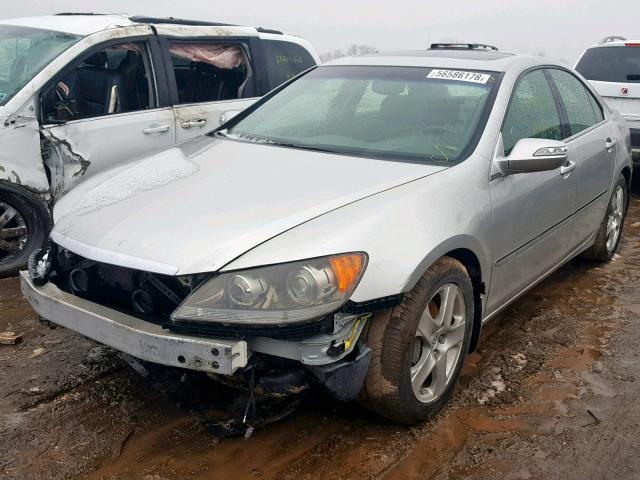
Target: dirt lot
{"x":552,"y":393}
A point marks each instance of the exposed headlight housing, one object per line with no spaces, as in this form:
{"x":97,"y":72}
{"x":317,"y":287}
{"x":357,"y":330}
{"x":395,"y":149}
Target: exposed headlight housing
{"x":285,"y":293}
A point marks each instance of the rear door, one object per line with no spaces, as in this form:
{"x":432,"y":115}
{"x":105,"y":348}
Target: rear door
{"x":593,"y":148}
{"x":614,"y":71}
{"x":208,"y":77}
{"x":102,"y":110}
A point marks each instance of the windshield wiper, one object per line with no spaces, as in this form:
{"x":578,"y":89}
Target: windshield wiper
{"x":268,"y":141}
{"x":311,"y":148}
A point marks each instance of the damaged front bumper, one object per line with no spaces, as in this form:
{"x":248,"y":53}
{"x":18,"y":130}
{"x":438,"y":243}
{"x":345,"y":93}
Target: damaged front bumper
{"x":144,"y":340}
{"x":333,"y":360}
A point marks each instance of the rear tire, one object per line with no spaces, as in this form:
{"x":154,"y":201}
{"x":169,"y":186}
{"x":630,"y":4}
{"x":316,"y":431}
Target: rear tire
{"x":25,"y":223}
{"x":610,"y":230}
{"x":416,"y":358}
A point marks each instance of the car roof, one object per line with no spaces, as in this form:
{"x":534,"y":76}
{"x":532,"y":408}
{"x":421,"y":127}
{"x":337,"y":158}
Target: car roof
{"x":615,"y":41}
{"x":89,"y":23}
{"x":445,"y":58}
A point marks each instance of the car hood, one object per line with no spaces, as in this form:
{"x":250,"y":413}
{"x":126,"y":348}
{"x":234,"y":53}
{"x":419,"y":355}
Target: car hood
{"x":196,"y":207}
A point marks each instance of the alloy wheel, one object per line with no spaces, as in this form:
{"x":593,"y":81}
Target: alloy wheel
{"x":614,"y":220}
{"x":438,"y":343}
{"x":13,"y":232}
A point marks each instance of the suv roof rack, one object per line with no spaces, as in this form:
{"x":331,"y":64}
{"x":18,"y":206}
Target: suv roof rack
{"x":178,"y":21}
{"x":612,"y":38}
{"x":269,"y":30}
{"x":80,"y":14}
{"x":462,"y":46}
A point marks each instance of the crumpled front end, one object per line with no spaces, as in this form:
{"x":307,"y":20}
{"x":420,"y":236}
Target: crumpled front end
{"x":130,"y":310}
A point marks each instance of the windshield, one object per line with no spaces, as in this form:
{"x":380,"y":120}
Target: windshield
{"x":24,"y":52}
{"x":410,"y":113}
{"x":611,"y":64}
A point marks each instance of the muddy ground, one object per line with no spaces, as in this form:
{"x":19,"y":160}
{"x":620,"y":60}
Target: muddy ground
{"x":552,"y":393}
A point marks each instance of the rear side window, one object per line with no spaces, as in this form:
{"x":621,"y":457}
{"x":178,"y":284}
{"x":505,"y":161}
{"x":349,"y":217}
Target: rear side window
{"x":209,"y":72}
{"x":611,"y":64}
{"x":578,"y":102}
{"x":285,"y":60}
{"x":532,"y":112}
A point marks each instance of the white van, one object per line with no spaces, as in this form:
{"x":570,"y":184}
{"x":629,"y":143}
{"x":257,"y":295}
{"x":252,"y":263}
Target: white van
{"x":80,"y":93}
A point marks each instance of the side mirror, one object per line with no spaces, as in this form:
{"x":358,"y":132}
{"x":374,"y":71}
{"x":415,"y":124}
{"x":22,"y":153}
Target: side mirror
{"x":534,"y":155}
{"x":228,"y":115}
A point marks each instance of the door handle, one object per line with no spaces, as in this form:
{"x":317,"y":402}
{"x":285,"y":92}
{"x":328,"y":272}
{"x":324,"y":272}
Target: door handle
{"x":610,"y":143}
{"x":568,"y":168}
{"x":156,"y":129}
{"x":196,"y":123}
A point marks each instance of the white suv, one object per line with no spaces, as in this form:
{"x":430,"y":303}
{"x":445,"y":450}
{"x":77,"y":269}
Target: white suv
{"x":613,"y":68}
{"x":81,"y":93}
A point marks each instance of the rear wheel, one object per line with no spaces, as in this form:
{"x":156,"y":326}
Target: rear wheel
{"x":418,"y":347}
{"x":610,"y":231}
{"x":24,"y":227}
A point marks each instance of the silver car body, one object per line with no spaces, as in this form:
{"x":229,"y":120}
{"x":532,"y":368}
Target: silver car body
{"x":245,"y":205}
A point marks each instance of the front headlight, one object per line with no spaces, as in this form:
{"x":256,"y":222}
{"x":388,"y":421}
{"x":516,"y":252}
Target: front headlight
{"x":285,"y":293}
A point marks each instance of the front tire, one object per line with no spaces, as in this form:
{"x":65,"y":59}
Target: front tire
{"x":610,"y":230}
{"x":25,"y":222}
{"x":418,"y":347}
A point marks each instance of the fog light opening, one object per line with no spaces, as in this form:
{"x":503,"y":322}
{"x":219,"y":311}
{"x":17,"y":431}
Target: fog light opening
{"x":79,"y":281}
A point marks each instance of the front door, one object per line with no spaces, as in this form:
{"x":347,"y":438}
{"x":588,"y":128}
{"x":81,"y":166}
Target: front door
{"x":100,"y":112}
{"x":531,"y":211}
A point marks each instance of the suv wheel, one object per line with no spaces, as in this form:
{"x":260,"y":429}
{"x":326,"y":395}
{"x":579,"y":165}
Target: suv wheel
{"x":610,"y":231}
{"x":24,"y":227}
{"x":418,"y":347}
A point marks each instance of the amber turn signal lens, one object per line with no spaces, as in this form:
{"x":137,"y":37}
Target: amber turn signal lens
{"x":347,"y":269}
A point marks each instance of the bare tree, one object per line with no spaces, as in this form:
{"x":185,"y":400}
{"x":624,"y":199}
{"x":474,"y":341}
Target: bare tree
{"x":353,"y":51}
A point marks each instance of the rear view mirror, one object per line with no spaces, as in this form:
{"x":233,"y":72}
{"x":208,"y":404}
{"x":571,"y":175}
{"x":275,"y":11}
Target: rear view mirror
{"x":534,"y":155}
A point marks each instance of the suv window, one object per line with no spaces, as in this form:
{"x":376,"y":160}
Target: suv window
{"x":532,"y":113}
{"x":116,"y":79}
{"x":285,"y":60}
{"x":611,"y":64}
{"x":577,"y":100}
{"x":209,"y":72}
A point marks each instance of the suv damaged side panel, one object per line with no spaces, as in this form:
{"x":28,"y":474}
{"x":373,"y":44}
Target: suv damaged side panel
{"x":23,"y":157}
{"x":20,"y":156}
{"x":65,"y":164}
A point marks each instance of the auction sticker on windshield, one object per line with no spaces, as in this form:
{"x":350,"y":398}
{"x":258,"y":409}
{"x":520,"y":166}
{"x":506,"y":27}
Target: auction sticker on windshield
{"x":460,"y":75}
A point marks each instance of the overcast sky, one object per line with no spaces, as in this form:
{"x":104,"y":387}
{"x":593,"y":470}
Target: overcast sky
{"x":560,"y":28}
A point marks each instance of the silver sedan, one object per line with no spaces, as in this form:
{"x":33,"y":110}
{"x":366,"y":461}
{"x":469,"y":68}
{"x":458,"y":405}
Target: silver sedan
{"x":353,"y":230}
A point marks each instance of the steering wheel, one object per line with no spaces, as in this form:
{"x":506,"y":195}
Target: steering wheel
{"x":62,"y":91}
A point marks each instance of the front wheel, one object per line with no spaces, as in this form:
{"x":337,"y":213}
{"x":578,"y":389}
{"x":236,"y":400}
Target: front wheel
{"x":418,"y":347}
{"x":24,"y":227}
{"x":610,"y":230}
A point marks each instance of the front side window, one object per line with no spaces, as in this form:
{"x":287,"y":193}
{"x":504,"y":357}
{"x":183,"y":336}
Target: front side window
{"x":209,"y":72}
{"x":611,"y":64}
{"x":386,"y":112}
{"x":578,"y":102}
{"x":285,"y":60}
{"x":116,"y":79}
{"x":532,"y":112}
{"x":24,"y":52}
